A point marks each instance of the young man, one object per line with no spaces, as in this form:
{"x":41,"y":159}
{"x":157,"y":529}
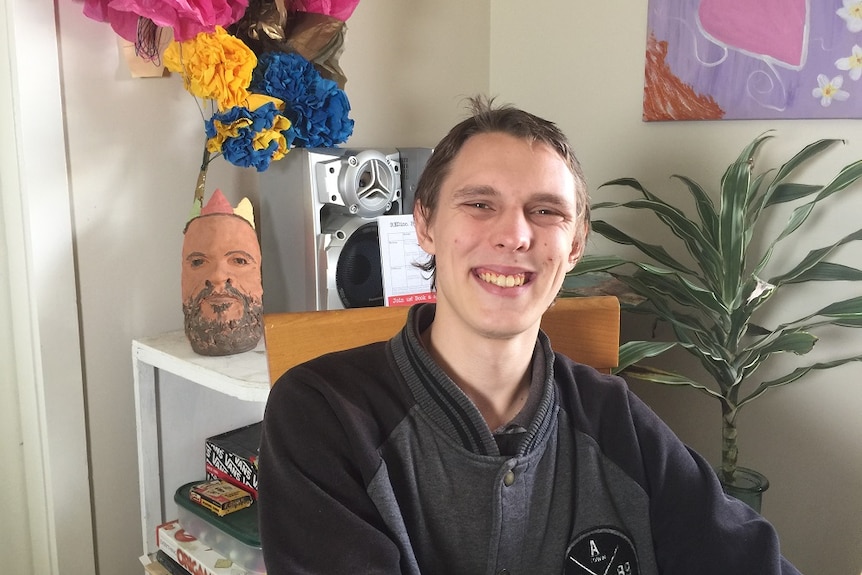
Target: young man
{"x":464,"y":444}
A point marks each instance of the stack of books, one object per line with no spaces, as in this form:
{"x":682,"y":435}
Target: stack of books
{"x":215,"y":532}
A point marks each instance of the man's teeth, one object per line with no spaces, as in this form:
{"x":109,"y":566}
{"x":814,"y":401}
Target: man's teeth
{"x":503,"y":280}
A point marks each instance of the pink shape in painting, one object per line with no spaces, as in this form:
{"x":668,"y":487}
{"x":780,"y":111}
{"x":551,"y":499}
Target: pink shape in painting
{"x":772,"y":29}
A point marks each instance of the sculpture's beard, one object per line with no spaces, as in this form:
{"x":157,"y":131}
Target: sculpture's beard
{"x":223,"y":321}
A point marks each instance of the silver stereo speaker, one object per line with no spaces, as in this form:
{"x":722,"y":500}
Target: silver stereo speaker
{"x":318,"y":218}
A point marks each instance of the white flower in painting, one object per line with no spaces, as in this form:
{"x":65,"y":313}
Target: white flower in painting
{"x":851,"y":12}
{"x":829,"y":90}
{"x":853,"y":63}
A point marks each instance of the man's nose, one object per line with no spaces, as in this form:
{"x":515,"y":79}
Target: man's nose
{"x":221,"y":273}
{"x":512,"y":231}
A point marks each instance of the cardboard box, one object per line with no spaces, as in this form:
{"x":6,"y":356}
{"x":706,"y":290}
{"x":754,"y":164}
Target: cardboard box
{"x":232,"y":457}
{"x":220,"y":497}
{"x":194,"y":556}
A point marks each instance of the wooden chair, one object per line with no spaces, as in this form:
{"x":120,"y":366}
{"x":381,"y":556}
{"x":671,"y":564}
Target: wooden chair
{"x":587,"y":329}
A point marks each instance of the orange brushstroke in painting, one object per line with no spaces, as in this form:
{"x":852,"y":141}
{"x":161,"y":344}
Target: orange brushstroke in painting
{"x":666,"y":97}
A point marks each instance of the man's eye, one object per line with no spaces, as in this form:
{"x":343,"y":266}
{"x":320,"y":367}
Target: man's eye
{"x":197,"y":262}
{"x":240,"y":261}
{"x":547,"y":214}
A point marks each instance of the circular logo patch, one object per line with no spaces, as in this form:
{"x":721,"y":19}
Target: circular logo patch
{"x":602,"y":551}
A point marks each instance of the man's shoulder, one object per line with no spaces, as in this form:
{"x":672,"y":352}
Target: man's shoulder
{"x":594,"y":399}
{"x":582,"y":378}
{"x":365,"y":377}
{"x":369,"y":361}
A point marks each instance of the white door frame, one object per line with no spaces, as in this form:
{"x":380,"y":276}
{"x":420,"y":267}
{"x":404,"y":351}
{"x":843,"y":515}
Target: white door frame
{"x":39,"y":236}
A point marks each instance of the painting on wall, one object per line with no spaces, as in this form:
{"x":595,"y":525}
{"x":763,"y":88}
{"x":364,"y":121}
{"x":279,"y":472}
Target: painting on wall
{"x":744,"y":59}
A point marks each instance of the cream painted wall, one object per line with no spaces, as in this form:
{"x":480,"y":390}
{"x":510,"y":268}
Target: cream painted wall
{"x":582,"y":66}
{"x":133,"y":150}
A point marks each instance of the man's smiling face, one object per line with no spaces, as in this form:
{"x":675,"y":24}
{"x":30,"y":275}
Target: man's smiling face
{"x":504,"y":233}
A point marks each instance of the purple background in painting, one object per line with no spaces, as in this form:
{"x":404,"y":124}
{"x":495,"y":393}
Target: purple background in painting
{"x":782,"y":92}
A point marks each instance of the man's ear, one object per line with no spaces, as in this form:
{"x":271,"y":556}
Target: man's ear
{"x":578,"y":246}
{"x":423,"y":228}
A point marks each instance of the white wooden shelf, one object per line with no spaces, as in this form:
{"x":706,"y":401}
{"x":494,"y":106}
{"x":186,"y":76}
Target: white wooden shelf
{"x":244,"y":376}
{"x":181,"y":398}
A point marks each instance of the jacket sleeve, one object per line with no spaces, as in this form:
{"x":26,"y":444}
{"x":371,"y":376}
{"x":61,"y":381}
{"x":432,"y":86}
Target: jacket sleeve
{"x":315,"y":515}
{"x":696,"y":527}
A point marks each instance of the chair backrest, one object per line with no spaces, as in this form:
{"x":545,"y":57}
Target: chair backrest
{"x":587,"y":329}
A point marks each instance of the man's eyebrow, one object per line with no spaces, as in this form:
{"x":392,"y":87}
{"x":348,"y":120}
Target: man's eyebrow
{"x":470,"y":192}
{"x":196,"y":255}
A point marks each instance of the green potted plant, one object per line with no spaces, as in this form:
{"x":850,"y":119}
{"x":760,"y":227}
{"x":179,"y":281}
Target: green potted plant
{"x":711,"y":300}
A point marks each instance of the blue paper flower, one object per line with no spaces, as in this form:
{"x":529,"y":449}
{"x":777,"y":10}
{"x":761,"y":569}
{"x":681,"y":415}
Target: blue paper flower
{"x":250,"y":138}
{"x":316,"y":106}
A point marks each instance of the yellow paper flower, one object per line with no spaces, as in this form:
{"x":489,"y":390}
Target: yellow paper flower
{"x":216,"y":66}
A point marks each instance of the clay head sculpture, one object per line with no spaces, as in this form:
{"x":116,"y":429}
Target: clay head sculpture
{"x":221,"y":282}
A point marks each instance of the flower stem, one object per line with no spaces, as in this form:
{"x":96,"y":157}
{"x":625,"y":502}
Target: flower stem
{"x":200,"y":188}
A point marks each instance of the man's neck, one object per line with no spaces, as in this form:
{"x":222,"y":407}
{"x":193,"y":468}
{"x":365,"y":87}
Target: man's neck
{"x":494,"y":373}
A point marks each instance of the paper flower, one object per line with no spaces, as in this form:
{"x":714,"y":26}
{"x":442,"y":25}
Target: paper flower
{"x":317,"y":108}
{"x":341,"y":9}
{"x":125,"y":24}
{"x":215,"y":66}
{"x":250,"y":136}
{"x":187,"y":18}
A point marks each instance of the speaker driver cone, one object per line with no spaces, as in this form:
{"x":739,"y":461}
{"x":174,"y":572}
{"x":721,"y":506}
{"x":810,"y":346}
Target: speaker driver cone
{"x":358,"y":274}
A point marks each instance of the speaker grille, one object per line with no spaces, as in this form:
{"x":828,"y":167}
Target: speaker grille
{"x":370,"y":183}
{"x":358,"y":274}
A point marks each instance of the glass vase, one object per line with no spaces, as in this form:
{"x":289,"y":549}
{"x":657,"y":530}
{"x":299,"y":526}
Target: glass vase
{"x":747,"y":486}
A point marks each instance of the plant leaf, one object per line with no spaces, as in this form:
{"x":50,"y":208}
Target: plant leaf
{"x":632,"y":352}
{"x":813,"y":258}
{"x":735,"y":191}
{"x":848,"y":308}
{"x":656,"y":252}
{"x":795,"y":375}
{"x":845,"y":178}
{"x":789,"y":192}
{"x":591,"y":263}
{"x":654,"y":375}
{"x":778,"y":189}
{"x":705,"y":208}
{"x":681,"y":290}
{"x":794,"y":341}
{"x":827,"y":271}
{"x":698,"y":245}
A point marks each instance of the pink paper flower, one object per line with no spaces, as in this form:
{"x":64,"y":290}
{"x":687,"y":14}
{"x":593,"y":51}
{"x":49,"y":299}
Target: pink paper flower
{"x":125,"y":24}
{"x":340,"y":9}
{"x":187,"y":18}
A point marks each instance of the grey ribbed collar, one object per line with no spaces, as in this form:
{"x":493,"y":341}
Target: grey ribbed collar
{"x":444,"y":402}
